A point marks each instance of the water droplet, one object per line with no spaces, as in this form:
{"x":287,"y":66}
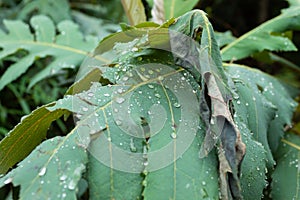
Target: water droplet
{"x":157,"y":95}
{"x":134,"y":49}
{"x":63,"y":195}
{"x":176,"y":105}
{"x":132,"y":146}
{"x":150,"y":86}
{"x":173,"y":135}
{"x":106,"y":95}
{"x":247,"y":104}
{"x":203,"y":183}
{"x":120,"y":100}
{"x":85,"y":109}
{"x":118,"y":122}
{"x":109,"y":139}
{"x":212,"y":121}
{"x":43,"y":171}
{"x":90,"y":94}
{"x":160,"y":78}
{"x":238,"y":102}
{"x":145,"y":163}
{"x":63,"y":177}
{"x":120,"y":90}
{"x":72,"y":185}
{"x":7,"y":181}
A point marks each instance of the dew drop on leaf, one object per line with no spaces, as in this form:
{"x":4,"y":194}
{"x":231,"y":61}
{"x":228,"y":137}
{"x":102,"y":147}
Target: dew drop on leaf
{"x":238,"y":102}
{"x":43,"y":171}
{"x":173,"y":135}
{"x":72,"y":185}
{"x":120,"y":100}
{"x":176,"y":105}
{"x":150,"y":86}
{"x":7,"y":181}
{"x":85,"y":109}
{"x":90,"y":94}
{"x":63,"y":177}
{"x":118,"y":122}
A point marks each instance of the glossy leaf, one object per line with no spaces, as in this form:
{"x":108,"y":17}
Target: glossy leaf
{"x":67,"y":49}
{"x":267,"y":34}
{"x":276,"y":95}
{"x":285,"y":179}
{"x":26,"y":136}
{"x":51,"y":171}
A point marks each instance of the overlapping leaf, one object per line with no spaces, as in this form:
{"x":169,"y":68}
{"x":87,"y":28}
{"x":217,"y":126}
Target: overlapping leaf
{"x":269,"y":93}
{"x":26,"y":136}
{"x":67,"y":49}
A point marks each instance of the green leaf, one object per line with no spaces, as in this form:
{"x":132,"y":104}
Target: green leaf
{"x":285,"y":179}
{"x":270,"y":89}
{"x":58,"y":11}
{"x":51,"y":171}
{"x":254,"y":166}
{"x":135,"y":11}
{"x":187,"y":178}
{"x":26,"y":136}
{"x":176,"y":8}
{"x":224,"y":38}
{"x":264,"y":37}
{"x":67,"y":49}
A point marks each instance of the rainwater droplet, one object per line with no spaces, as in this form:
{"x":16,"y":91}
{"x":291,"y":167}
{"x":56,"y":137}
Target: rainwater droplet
{"x":238,"y":102}
{"x":118,"y":122}
{"x":132,"y":146}
{"x":63,"y":177}
{"x":72,"y":185}
{"x":203,"y":183}
{"x":160,"y":78}
{"x":120,"y":100}
{"x":7,"y":181}
{"x":157,"y":95}
{"x":176,"y":105}
{"x":106,"y":95}
{"x":150,"y":86}
{"x":173,"y":135}
{"x":85,"y":109}
{"x":109,"y":139}
{"x":43,"y":171}
{"x":134,"y":49}
{"x":247,"y":104}
{"x":90,"y":94}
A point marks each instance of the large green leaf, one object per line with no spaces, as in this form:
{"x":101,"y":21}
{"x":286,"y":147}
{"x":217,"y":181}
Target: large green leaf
{"x":51,"y":171}
{"x":67,"y":49}
{"x":271,"y":93}
{"x":285,"y":179}
{"x":26,"y":136}
{"x":267,"y":34}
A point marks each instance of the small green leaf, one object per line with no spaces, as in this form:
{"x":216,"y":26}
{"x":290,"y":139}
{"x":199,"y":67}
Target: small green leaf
{"x":285,"y":179}
{"x":26,"y":136}
{"x":51,"y":171}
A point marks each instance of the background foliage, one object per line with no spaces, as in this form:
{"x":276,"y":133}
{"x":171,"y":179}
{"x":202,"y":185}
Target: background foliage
{"x":47,"y":73}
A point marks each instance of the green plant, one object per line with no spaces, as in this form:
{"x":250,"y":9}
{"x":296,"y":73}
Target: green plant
{"x":158,"y":98}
